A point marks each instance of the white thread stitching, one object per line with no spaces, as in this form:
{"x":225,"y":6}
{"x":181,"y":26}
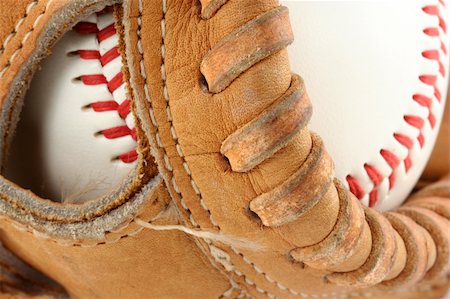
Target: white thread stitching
{"x":194,"y":185}
{"x":169,"y":116}
{"x":17,"y":26}
{"x":179,"y":151}
{"x":25,"y":38}
{"x":227,"y":293}
{"x":70,"y":243}
{"x":14,"y":55}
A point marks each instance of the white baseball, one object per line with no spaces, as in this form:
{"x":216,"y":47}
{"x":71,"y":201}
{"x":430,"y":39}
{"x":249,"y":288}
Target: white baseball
{"x":376,"y":72}
{"x":372,"y":68}
{"x":72,"y":140}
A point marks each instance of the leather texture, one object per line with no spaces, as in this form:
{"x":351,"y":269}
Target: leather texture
{"x":83,"y":239}
{"x":130,"y":262}
{"x":182,"y":173}
{"x":19,"y":280}
{"x":365,"y":55}
{"x":187,"y":126}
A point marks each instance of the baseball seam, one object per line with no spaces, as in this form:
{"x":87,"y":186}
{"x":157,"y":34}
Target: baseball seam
{"x":194,"y":186}
{"x":388,"y":156}
{"x":394,"y":161}
{"x":111,"y":56}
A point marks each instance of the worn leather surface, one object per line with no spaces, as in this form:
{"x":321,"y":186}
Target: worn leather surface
{"x":19,"y":279}
{"x":131,"y":263}
{"x":85,"y":256}
{"x":202,"y":121}
{"x":12,"y":11}
{"x":185,"y":125}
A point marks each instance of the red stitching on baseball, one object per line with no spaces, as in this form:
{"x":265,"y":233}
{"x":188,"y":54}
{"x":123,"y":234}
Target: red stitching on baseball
{"x":434,"y":32}
{"x":434,"y":10}
{"x":116,"y":132}
{"x":89,"y":54}
{"x":407,"y":163}
{"x":444,"y":48}
{"x":355,"y":187}
{"x":97,"y":79}
{"x":106,"y":33}
{"x":404,"y":140}
{"x":435,"y":55}
{"x":432,"y":120}
{"x":129,"y":157}
{"x":104,"y":106}
{"x":415,"y":121}
{"x":423,"y":100}
{"x":373,"y":198}
{"x":115,"y":82}
{"x":374,"y":175}
{"x":123,"y":109}
{"x":390,"y":158}
{"x":133,"y":134}
{"x":109,"y":56}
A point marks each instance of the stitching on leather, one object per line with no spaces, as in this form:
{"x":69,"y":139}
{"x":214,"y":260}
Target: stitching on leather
{"x":169,"y":168}
{"x":228,"y":292}
{"x":123,"y":108}
{"x":167,"y":165}
{"x":185,"y":165}
{"x":37,"y":234}
{"x":244,"y":294}
{"x":69,"y":243}
{"x":17,"y":26}
{"x":172,"y":129}
{"x":427,"y":101}
{"x":26,"y":36}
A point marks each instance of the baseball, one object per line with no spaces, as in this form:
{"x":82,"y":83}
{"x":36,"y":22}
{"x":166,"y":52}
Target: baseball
{"x":77,"y":118}
{"x":376,"y":73}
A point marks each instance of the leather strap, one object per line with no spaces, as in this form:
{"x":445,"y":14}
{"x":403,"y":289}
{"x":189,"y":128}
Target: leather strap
{"x":242,"y":48}
{"x":253,"y":143}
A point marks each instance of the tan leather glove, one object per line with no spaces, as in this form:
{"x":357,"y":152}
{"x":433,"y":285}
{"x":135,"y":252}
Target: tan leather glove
{"x":233,"y":196}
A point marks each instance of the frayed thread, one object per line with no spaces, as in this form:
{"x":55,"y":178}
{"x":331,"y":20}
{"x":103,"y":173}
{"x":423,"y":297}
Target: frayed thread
{"x":171,"y":212}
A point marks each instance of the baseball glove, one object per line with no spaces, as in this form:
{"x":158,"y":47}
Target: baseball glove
{"x":232,"y":195}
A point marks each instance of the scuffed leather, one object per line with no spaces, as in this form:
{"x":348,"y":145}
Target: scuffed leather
{"x":185,"y":126}
{"x":95,"y":250}
{"x":17,"y":279}
{"x":11,"y":12}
